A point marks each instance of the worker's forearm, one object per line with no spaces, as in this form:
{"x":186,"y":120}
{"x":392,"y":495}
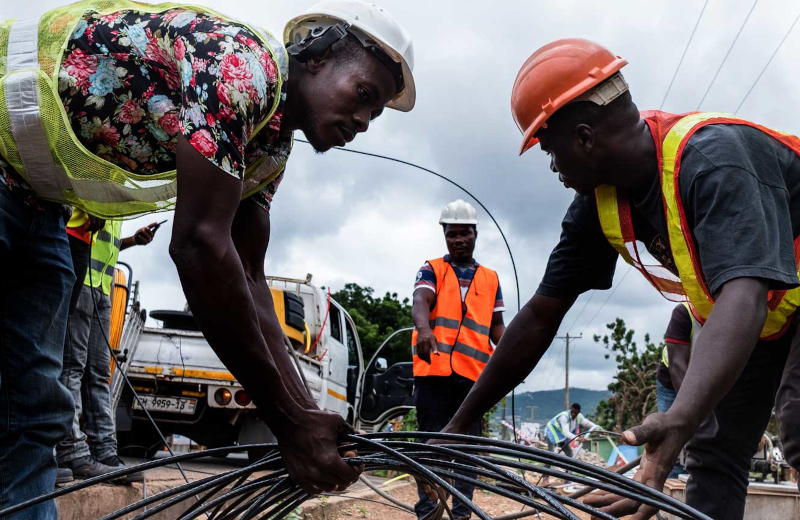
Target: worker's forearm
{"x":273,"y":334}
{"x":677,"y":374}
{"x":678,"y":355}
{"x":722,"y":350}
{"x":496,"y":334}
{"x":523,"y":344}
{"x":420,"y":313}
{"x":217,"y":291}
{"x":125,"y":243}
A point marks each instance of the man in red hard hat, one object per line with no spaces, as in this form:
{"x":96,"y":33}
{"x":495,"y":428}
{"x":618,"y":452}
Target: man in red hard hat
{"x":715,"y":200}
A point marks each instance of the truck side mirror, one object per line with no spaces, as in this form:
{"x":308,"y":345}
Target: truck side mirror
{"x":381,"y":364}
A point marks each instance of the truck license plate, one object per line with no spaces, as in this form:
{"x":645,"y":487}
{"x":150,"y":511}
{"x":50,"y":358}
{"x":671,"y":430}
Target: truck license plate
{"x":157,"y":403}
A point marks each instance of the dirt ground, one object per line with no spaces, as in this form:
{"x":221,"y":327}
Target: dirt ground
{"x":493,"y":504}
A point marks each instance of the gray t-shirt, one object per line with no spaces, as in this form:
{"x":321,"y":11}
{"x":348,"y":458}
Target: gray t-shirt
{"x":741,"y":192}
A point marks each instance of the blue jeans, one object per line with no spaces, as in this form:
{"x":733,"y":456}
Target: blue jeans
{"x":665,"y":396}
{"x":36,"y":279}
{"x":86,"y":372}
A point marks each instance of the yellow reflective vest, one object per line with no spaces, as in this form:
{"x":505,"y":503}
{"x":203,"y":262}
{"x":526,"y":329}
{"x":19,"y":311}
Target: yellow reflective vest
{"x":36,"y":137}
{"x":671,"y":132}
{"x":105,"y":251}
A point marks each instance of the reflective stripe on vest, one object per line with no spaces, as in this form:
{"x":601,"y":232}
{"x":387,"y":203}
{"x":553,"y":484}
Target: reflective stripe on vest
{"x":38,"y":128}
{"x":614,"y":213}
{"x":22,"y":103}
{"x":23,"y":45}
{"x":555,"y":427}
{"x":105,"y":251}
{"x":463,"y":341}
{"x":670,"y":134}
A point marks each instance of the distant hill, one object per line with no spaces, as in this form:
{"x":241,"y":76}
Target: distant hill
{"x":550,"y":402}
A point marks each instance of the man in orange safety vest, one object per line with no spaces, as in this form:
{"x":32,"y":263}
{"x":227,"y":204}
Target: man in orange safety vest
{"x":458,"y":315}
{"x":714,"y":199}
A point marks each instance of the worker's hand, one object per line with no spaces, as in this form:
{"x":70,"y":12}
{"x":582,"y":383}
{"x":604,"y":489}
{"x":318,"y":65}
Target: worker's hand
{"x":581,"y":439}
{"x":146,"y":234}
{"x":310,"y":452}
{"x":426,"y":345}
{"x":663,"y":437}
{"x":95,"y":224}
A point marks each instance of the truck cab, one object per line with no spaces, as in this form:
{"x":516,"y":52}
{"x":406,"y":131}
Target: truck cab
{"x":187,"y":390}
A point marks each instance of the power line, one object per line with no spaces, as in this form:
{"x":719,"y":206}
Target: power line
{"x":454,"y":183}
{"x":630,"y":268}
{"x":785,"y":36}
{"x":586,"y":304}
{"x":752,"y":8}
{"x":680,"y":62}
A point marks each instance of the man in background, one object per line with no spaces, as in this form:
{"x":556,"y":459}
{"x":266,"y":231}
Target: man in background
{"x":678,"y":339}
{"x":92,"y":450}
{"x":562,"y":429}
{"x":458,"y":315}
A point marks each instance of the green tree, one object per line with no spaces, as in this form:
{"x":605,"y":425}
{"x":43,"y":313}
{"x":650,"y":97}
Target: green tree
{"x":634,"y":385}
{"x":376,"y":318}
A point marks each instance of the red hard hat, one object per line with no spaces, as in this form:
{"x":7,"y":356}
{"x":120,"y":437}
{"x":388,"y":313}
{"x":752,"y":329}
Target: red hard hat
{"x":555,"y":75}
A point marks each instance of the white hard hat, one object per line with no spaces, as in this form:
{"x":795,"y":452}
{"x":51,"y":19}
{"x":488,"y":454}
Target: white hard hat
{"x":373,"y":22}
{"x":459,"y":212}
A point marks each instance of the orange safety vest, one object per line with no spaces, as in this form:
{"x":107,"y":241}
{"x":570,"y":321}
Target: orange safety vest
{"x":462,"y":337}
{"x":671,"y":132}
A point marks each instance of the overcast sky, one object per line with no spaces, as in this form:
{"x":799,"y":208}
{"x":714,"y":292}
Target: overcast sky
{"x":348,"y":218}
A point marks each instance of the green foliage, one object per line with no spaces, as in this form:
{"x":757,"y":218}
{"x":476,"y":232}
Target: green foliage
{"x":634,"y":385}
{"x":410,"y":421}
{"x":376,"y":318}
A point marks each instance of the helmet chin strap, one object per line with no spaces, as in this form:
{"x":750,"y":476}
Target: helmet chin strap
{"x":319,"y":40}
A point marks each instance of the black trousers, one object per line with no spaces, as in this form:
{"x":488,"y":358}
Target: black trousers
{"x":718,"y":456}
{"x":437,"y":399}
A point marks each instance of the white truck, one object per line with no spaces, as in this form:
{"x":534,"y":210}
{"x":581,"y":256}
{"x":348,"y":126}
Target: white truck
{"x":188,"y":391}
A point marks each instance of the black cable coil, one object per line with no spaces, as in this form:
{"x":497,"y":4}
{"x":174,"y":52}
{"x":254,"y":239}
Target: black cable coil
{"x":488,"y":464}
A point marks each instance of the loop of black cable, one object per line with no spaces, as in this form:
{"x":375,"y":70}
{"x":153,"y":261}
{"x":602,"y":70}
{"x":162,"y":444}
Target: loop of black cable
{"x":583,"y":467}
{"x":230,"y":496}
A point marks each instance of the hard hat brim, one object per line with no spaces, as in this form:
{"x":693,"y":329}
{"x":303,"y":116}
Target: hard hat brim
{"x":404,"y":100}
{"x":467,"y":221}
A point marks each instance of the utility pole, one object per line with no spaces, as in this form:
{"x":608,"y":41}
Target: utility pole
{"x":567,"y":338}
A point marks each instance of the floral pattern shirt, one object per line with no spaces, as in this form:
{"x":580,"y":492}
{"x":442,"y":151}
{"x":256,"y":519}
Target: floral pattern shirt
{"x":132,"y":81}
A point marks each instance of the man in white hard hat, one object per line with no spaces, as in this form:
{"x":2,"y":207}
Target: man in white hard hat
{"x":458,"y":317}
{"x":117,"y":108}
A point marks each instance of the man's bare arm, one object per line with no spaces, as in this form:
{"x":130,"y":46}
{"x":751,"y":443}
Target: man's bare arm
{"x":215,"y":284}
{"x":678,"y":356}
{"x":250,"y":233}
{"x":498,"y":328}
{"x":718,"y":359}
{"x":420,"y":313}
